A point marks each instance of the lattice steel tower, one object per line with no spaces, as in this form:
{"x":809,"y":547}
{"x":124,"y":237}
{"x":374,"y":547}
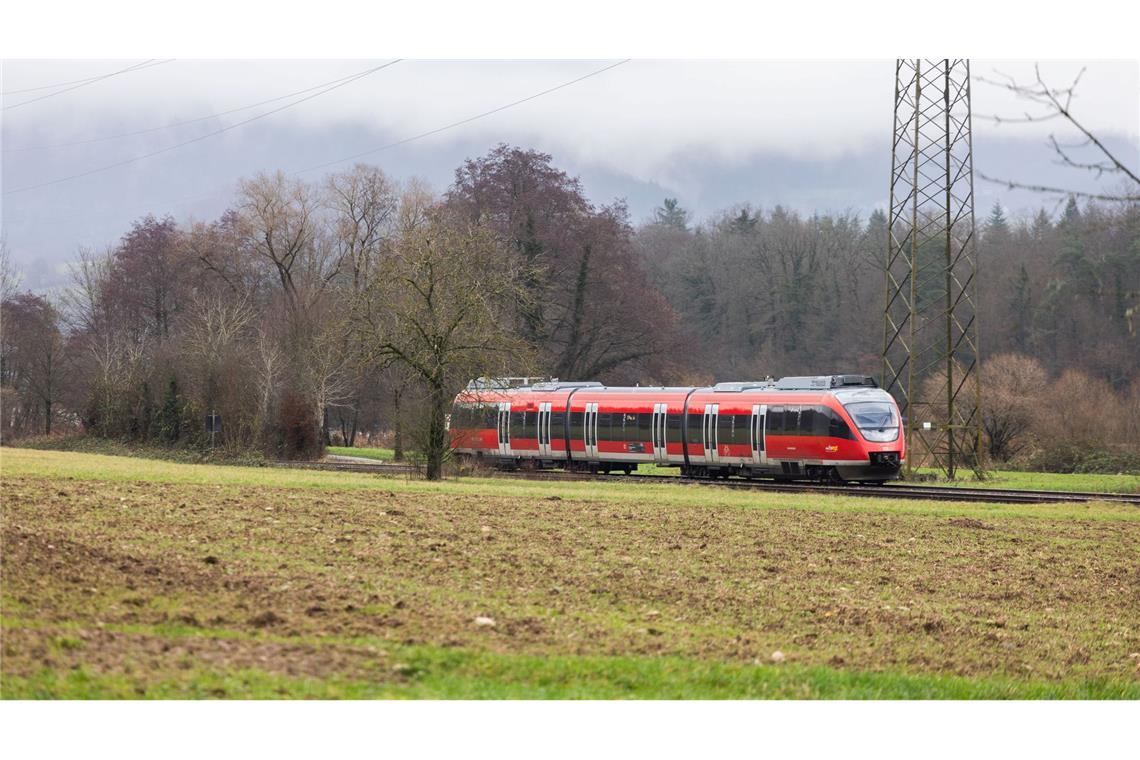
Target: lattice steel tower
{"x":930,"y":347}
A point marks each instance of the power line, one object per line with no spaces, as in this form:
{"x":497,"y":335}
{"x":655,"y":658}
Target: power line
{"x":335,"y":84}
{"x":462,"y":121}
{"x":65,"y":84}
{"x":177,"y":123}
{"x":147,"y":64}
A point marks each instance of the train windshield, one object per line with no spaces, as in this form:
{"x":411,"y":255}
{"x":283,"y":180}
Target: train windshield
{"x":876,"y":420}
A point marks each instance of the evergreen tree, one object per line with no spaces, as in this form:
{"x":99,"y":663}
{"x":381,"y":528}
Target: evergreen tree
{"x":1042,"y":226}
{"x":744,"y":222}
{"x":170,"y":415}
{"x":670,"y":214}
{"x":1073,"y":260}
{"x":1021,"y":308}
{"x":997,"y":227}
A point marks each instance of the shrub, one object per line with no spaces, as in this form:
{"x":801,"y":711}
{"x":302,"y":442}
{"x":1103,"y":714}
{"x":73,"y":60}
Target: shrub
{"x":298,"y":429}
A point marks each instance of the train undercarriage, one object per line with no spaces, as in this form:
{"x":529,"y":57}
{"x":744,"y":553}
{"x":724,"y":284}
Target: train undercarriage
{"x":875,"y":473}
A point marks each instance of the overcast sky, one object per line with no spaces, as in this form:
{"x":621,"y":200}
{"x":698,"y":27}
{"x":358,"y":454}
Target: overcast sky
{"x":810,"y":135}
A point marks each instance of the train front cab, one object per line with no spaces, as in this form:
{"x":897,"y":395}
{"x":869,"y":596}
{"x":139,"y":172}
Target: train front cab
{"x":734,"y":429}
{"x":874,"y":416}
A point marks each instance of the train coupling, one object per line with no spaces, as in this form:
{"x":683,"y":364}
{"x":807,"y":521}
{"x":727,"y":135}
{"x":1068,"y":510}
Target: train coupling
{"x":884,"y":459}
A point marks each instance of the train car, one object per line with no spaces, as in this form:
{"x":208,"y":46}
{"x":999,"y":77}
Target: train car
{"x":832,"y":427}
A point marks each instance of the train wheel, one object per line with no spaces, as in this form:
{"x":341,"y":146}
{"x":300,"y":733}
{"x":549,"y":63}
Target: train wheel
{"x":628,"y":469}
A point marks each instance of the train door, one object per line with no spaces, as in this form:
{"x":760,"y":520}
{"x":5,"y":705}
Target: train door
{"x":505,"y":428}
{"x":544,"y":429}
{"x":709,"y":430}
{"x":660,"y":416}
{"x":590,"y":430}
{"x":759,"y":412}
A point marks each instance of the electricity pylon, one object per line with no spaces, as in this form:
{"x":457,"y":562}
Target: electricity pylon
{"x":930,"y":346}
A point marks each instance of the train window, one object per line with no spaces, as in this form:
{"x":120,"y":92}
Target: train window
{"x":673,"y":428}
{"x":490,"y":415}
{"x":837,"y":427}
{"x":605,"y":423}
{"x":806,"y":421}
{"x":517,"y":422}
{"x":557,"y":425}
{"x":876,"y":420}
{"x":775,"y":420}
{"x":792,"y":420}
{"x":644,"y":425}
{"x":629,"y":427}
{"x":821,"y":421}
{"x":695,"y":436}
{"x":576,"y":425}
{"x":744,"y":429}
{"x":724,"y":428}
{"x":733,"y":428}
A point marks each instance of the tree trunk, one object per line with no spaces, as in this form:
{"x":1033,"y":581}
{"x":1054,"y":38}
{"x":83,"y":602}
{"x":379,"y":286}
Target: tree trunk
{"x":437,"y":432}
{"x":398,"y":439}
{"x":47,"y":418}
{"x":355,"y":419}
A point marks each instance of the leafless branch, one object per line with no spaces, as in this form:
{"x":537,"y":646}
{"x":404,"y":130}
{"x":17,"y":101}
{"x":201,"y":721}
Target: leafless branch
{"x":1057,"y":103}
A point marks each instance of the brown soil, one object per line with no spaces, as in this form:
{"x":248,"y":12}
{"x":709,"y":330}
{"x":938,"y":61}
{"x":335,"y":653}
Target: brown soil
{"x":154,"y":578}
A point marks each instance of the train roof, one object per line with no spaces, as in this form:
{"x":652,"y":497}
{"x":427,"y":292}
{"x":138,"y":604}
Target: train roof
{"x":800,"y":383}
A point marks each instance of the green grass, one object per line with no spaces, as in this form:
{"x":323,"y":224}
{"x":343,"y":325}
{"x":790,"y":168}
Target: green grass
{"x":1046,"y":481}
{"x":185,"y":452}
{"x":54,"y":464}
{"x":439,"y":673}
{"x":384,"y":455}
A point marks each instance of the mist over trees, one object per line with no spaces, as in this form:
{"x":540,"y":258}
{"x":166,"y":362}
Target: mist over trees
{"x":350,"y":310}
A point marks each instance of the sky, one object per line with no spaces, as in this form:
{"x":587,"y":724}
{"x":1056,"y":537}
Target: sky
{"x":810,"y":135}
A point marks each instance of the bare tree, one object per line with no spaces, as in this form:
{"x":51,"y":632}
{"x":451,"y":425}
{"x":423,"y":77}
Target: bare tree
{"x":281,"y":226}
{"x":214,"y":326}
{"x":33,"y":355}
{"x":1014,"y":385}
{"x":1055,"y":104}
{"x":439,"y":307}
{"x":363,"y":202}
{"x":269,"y":367}
{"x":9,"y":277}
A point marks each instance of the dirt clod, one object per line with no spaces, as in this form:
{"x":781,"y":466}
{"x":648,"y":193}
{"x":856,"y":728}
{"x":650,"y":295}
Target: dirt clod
{"x":266,"y":619}
{"x":969,"y":522}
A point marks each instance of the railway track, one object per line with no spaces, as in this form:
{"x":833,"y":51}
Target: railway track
{"x":896,"y":491}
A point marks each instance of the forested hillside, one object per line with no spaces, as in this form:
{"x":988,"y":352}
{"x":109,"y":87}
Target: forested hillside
{"x":767,"y":291}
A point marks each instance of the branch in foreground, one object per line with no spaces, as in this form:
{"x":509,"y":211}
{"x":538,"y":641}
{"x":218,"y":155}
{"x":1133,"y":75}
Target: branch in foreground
{"x":1046,"y":189}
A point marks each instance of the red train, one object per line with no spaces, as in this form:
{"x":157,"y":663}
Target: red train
{"x":832,"y":427}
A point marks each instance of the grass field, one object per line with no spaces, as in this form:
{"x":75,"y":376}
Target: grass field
{"x":1049,"y":481}
{"x":383,"y":455}
{"x":1043,"y":481}
{"x":137,"y":578}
